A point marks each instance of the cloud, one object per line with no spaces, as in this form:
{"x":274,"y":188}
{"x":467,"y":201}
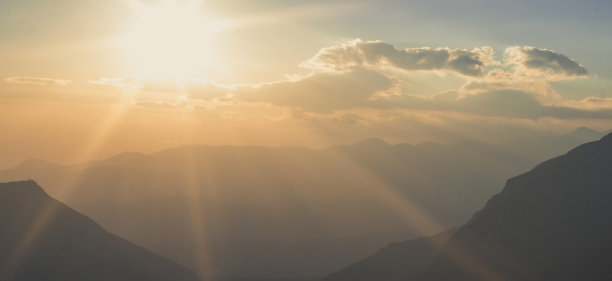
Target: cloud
{"x":153,"y":104}
{"x":525,"y":62}
{"x":119,"y":82}
{"x":37,"y":81}
{"x":378,"y":53}
{"x":402,"y":125}
{"x":207,"y":90}
{"x":519,"y":104}
{"x":361,"y":88}
{"x":542,"y":63}
{"x":321,"y":92}
{"x":364,"y":75}
{"x":591,"y":103}
{"x":496,"y":103}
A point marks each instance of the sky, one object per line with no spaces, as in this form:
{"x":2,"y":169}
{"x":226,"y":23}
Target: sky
{"x":84,"y":79}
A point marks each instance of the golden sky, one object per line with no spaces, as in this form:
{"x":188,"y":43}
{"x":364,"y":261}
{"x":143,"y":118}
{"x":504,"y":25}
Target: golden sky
{"x":83,"y":80}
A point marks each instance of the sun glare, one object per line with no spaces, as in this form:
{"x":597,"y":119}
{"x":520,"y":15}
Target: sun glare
{"x":170,"y":39}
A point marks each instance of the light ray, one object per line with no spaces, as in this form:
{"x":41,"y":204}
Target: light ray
{"x":48,"y":212}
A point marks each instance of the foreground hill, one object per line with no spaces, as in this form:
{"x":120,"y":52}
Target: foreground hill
{"x":552,"y":223}
{"x":42,"y":239}
{"x":288,"y":212}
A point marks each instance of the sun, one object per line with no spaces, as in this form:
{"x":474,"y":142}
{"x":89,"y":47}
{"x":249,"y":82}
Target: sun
{"x":170,"y":39}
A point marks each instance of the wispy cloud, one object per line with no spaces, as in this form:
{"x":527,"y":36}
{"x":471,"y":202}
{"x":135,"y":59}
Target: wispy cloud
{"x":43,"y":81}
{"x":498,"y":103}
{"x":119,"y":82}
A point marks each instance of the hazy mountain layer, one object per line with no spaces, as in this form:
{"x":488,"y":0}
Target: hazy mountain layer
{"x":42,"y":239}
{"x":288,"y":212}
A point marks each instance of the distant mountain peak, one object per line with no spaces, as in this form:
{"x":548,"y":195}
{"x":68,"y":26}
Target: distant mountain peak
{"x":585,"y":132}
{"x":32,"y":164}
{"x":372,"y":142}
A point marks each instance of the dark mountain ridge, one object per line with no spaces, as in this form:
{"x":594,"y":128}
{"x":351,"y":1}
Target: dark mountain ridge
{"x":551,"y":223}
{"x":43,"y":239}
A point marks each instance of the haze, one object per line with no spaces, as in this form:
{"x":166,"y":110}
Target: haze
{"x":293,"y":140}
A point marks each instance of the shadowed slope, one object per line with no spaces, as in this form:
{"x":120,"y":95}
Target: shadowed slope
{"x":552,"y":223}
{"x":42,"y":239}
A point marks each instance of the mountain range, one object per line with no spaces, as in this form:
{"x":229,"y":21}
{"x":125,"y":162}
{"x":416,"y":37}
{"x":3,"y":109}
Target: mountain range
{"x":287,"y":213}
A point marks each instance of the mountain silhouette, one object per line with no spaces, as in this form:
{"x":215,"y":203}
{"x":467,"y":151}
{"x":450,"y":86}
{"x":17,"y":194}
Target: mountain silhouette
{"x":288,"y":212}
{"x":42,"y":239}
{"x":552,"y":223}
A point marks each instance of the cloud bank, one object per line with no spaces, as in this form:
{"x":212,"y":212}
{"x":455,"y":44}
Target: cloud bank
{"x":378,"y":53}
{"x":321,"y":92}
{"x":372,"y":75}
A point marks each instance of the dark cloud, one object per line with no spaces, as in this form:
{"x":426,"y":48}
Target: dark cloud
{"x":544,"y":62}
{"x":375,"y":53}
